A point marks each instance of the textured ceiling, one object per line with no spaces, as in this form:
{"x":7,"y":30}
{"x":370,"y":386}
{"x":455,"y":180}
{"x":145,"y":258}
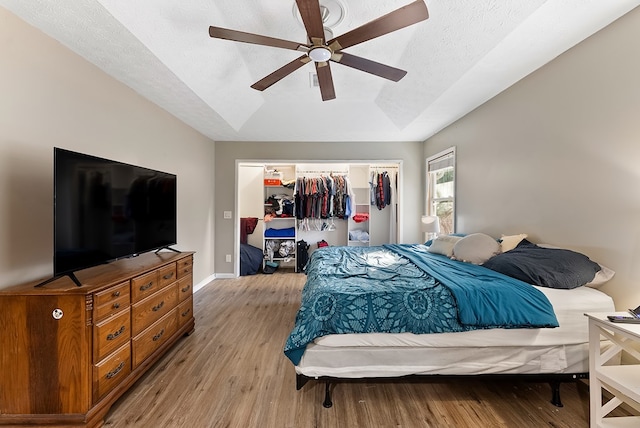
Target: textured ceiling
{"x":465,"y":53}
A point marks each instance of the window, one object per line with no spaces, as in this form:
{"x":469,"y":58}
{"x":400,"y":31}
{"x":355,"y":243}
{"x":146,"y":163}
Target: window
{"x":441,"y":178}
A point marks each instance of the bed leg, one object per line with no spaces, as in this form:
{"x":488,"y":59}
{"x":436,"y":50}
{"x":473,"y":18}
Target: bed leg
{"x":555,"y":394}
{"x":301,"y":381}
{"x":327,"y":396}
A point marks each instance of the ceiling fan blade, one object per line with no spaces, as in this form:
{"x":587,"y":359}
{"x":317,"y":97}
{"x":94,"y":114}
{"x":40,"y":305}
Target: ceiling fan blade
{"x":240,"y":36}
{"x":280,"y":73}
{"x":310,"y":13}
{"x":399,"y":18}
{"x":325,"y":80}
{"x":371,"y":67}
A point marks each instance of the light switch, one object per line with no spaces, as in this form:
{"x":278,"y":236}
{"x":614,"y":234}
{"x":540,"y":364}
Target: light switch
{"x":227,"y":214}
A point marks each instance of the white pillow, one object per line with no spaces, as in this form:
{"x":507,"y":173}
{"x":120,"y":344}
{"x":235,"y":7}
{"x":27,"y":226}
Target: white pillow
{"x":510,"y":242}
{"x":444,"y":245}
{"x":602,"y":276}
{"x":476,"y":248}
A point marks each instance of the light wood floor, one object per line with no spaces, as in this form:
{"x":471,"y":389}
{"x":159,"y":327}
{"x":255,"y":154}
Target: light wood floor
{"x":231,"y":372}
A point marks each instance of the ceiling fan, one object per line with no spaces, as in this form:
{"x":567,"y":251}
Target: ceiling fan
{"x":321,"y":51}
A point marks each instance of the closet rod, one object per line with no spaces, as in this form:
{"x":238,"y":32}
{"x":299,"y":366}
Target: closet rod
{"x":322,"y":172}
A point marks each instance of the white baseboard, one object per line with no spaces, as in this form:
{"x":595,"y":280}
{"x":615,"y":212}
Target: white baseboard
{"x":204,"y":282}
{"x":212,"y":277}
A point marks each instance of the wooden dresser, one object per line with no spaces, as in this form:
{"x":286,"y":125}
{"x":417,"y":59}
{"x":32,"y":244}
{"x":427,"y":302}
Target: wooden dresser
{"x":67,"y":353}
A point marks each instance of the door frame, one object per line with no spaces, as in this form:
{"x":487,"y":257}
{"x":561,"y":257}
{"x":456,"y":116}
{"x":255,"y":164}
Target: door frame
{"x":264,"y":162}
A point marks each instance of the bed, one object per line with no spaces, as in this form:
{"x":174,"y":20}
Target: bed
{"x":409,"y":310}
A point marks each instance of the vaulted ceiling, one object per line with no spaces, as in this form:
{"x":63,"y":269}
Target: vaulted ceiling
{"x":465,"y":53}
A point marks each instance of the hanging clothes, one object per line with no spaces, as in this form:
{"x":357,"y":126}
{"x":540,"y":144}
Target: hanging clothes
{"x":321,"y":197}
{"x":381,"y":192}
{"x":386,"y":182}
{"x":350,"y":202}
{"x":247,"y":226}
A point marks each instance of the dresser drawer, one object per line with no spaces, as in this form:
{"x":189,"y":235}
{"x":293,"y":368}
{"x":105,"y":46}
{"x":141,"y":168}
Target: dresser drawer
{"x":185,"y":288}
{"x":114,"y":293}
{"x":158,"y":333}
{"x":153,"y":308}
{"x":185,"y":311}
{"x":110,"y":334}
{"x":185,"y":267}
{"x":115,"y":302}
{"x":144,"y":285}
{"x":111,"y":371}
{"x":167,"y":275}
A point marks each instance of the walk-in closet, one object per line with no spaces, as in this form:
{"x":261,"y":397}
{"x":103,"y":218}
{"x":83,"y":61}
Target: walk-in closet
{"x":280,"y":204}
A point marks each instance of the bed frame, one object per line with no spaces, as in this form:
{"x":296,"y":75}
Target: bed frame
{"x":554,"y":380}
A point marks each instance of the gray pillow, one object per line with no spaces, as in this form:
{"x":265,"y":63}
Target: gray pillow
{"x":476,"y":248}
{"x":546,"y":267}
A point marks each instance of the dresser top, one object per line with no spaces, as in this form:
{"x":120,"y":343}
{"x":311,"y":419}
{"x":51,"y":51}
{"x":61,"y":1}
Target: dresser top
{"x":101,"y":276}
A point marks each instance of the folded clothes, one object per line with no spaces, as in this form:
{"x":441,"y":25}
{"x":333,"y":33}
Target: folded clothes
{"x":360,"y":217}
{"x":359,"y":235}
{"x":288,"y":232}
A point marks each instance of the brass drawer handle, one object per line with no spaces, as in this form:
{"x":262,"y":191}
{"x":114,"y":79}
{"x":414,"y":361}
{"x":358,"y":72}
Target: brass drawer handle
{"x":157,"y":307}
{"x":185,"y":289}
{"x":146,"y":286}
{"x":158,"y":336}
{"x":115,"y":371}
{"x":167,"y":276}
{"x":185,"y":313}
{"x":114,"y":335}
{"x":116,"y":305}
{"x":116,"y":294}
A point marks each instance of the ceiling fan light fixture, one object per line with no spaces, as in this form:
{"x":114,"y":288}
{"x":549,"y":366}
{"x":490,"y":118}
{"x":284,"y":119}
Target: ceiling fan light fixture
{"x":320,"y":54}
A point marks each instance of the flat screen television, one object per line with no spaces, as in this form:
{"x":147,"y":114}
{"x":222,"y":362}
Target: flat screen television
{"x":105,"y":210}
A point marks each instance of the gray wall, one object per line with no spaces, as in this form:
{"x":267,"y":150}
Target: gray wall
{"x":557,"y":156}
{"x":228,"y":152}
{"x":49,"y":97}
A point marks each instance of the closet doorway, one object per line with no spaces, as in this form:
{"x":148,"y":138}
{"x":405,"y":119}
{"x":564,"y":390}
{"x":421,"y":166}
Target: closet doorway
{"x":268,"y":186}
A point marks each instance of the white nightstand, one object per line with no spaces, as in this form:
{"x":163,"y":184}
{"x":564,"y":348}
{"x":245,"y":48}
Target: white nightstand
{"x":623,"y":381}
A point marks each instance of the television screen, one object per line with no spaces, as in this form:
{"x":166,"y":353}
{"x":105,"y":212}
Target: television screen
{"x":106,"y":210}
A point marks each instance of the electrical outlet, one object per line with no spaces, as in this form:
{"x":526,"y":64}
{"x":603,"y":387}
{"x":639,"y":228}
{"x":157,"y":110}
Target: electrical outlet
{"x":228,"y":258}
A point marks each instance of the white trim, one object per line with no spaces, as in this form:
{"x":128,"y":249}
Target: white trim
{"x":427,"y":207}
{"x":396,"y":163}
{"x":204,"y":282}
